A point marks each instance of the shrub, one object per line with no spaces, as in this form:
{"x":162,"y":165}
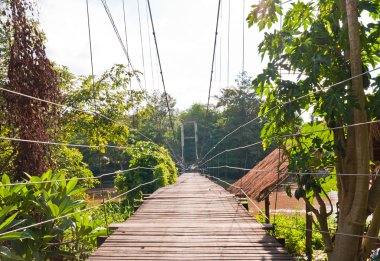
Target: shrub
{"x":27,"y":204}
{"x":146,"y":155}
{"x":291,"y":227}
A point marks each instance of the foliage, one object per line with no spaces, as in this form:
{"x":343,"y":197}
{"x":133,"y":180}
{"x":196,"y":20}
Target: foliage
{"x":25,"y":205}
{"x":240,"y":103}
{"x":206,"y":130}
{"x":69,"y":161}
{"x":30,"y":72}
{"x":312,"y":152}
{"x":146,"y":155}
{"x":313,"y":44}
{"x":109,"y":101}
{"x":291,"y":227}
{"x":236,"y":105}
{"x":154,"y":121}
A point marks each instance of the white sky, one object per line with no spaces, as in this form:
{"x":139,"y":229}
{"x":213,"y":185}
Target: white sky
{"x":185,"y":32}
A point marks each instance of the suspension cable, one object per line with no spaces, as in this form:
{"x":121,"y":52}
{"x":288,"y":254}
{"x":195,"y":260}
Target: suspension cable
{"x":243,"y":47}
{"x":78,"y":211}
{"x":150,"y":45}
{"x":109,"y":14}
{"x":322,"y":174}
{"x":90,"y":43}
{"x":213,"y":58}
{"x":89,"y":112}
{"x":125,"y":27}
{"x":162,"y":76}
{"x":211,"y":74}
{"x":288,"y":136}
{"x":259,"y":209}
{"x":283,"y":104}
{"x":69,"y":179}
{"x":105,"y":5}
{"x":141,"y":42}
{"x":228,"y":43}
{"x":220,"y":46}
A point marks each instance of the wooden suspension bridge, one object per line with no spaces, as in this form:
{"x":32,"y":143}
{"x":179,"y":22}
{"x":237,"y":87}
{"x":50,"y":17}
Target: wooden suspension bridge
{"x":194,"y":219}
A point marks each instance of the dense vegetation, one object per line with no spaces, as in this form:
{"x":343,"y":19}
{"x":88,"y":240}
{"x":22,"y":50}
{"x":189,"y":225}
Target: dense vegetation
{"x":120,"y":131}
{"x":325,"y":43}
{"x":51,"y":154}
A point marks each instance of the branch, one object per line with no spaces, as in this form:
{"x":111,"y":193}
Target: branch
{"x":328,"y":198}
{"x":316,"y":224}
{"x":311,"y":207}
{"x":373,"y":196}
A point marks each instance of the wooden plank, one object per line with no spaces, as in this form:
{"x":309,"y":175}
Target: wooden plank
{"x":195,"y":219}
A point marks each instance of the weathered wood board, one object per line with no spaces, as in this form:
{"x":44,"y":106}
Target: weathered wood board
{"x":195,"y":219}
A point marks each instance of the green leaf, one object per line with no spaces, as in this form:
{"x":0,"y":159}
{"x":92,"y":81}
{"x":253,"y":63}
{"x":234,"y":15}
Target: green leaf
{"x":8,"y":221}
{"x":71,"y":185}
{"x":54,"y":209}
{"x":5,"y":179}
{"x":4,"y":211}
{"x":16,"y":235}
{"x":7,"y":253}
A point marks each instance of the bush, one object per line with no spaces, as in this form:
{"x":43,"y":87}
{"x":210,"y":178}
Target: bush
{"x":295,"y":239}
{"x":27,"y":204}
{"x":146,"y":155}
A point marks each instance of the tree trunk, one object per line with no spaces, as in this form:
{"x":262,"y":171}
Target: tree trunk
{"x":309,"y":234}
{"x":353,"y":213}
{"x":369,"y":244}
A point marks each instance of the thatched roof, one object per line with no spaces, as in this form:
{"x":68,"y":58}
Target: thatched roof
{"x":264,"y":177}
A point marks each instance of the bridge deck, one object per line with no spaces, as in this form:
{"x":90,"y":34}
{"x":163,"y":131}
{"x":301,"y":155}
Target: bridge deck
{"x":195,"y":219}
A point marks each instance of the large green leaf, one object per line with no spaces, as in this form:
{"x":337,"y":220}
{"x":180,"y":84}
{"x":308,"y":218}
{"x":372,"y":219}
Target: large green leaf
{"x":54,"y":209}
{"x":8,"y":221}
{"x":71,"y":185}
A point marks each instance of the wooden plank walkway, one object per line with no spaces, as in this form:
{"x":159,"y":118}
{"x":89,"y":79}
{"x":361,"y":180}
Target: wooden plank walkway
{"x":195,"y":219}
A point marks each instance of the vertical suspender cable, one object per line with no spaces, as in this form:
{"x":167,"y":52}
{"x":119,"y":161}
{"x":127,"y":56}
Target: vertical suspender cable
{"x":150,"y":44}
{"x":213,"y":58}
{"x":220,"y":48}
{"x":141,"y":41}
{"x":89,"y":37}
{"x":212,"y":71}
{"x":243,"y":62}
{"x":228,"y":43}
{"x":125,"y":27}
{"x":94,"y":90}
{"x":162,"y":76}
{"x":129,"y":65}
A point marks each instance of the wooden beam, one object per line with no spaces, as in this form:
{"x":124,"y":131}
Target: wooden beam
{"x":267,"y":210}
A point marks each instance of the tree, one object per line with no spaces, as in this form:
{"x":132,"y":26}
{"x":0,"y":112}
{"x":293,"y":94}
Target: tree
{"x":324,"y":43}
{"x":7,"y":152}
{"x":239,"y":103}
{"x":155,"y":121}
{"x":30,"y":72}
{"x":106,"y":106}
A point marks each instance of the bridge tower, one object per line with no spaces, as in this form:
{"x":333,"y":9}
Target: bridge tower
{"x":195,"y":137}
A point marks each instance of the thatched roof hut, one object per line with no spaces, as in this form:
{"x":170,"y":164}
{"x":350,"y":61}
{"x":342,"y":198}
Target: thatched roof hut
{"x":260,"y":181}
{"x":264,"y":177}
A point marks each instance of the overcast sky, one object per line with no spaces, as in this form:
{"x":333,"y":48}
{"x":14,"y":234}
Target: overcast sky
{"x":185,"y":32}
